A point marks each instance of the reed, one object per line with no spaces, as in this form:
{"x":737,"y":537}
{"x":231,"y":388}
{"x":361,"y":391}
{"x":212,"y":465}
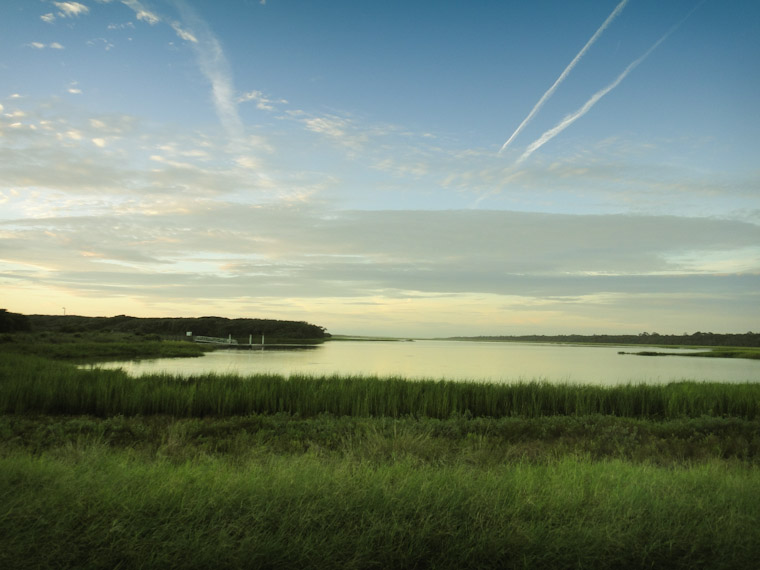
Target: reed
{"x":99,"y":508}
{"x":478,"y":442}
{"x":30,"y":384}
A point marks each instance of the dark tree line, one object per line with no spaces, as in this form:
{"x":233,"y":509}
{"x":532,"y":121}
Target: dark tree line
{"x":203,"y":326}
{"x":14,"y":322}
{"x":696,"y":339}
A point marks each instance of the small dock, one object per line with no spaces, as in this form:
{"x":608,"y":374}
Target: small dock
{"x":215,"y":340}
{"x":231,"y":343}
{"x":273,"y":346}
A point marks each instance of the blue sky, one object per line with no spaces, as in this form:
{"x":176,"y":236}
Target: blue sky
{"x":400,"y":168}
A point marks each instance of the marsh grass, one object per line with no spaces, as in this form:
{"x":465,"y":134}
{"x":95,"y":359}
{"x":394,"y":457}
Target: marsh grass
{"x":107,"y":509}
{"x":32,"y":384}
{"x":750,"y":353}
{"x":89,"y":347}
{"x":101,"y":470}
{"x":482,"y":442}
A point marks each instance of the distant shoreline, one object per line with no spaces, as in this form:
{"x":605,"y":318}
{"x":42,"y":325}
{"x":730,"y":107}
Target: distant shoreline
{"x":696,"y":340}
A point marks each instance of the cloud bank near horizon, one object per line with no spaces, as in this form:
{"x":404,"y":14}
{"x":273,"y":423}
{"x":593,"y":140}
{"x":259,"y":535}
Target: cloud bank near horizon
{"x":571,"y":264}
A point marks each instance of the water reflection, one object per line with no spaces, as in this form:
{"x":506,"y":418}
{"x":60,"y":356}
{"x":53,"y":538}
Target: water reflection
{"x":469,"y":361}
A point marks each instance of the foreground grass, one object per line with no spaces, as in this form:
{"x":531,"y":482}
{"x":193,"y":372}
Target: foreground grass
{"x":104,"y":509}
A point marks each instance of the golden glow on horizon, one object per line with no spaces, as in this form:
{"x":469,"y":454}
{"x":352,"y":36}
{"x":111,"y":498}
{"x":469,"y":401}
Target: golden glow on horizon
{"x":415,"y":314}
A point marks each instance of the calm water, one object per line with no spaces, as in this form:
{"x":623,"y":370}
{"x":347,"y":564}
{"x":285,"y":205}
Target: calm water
{"x":482,"y":361}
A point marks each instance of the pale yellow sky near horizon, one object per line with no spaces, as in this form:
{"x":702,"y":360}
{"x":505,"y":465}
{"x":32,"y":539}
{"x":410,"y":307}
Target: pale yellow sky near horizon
{"x":452,"y":315}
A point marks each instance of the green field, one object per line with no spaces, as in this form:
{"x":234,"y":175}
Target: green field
{"x":106,"y":471}
{"x":89,"y":347}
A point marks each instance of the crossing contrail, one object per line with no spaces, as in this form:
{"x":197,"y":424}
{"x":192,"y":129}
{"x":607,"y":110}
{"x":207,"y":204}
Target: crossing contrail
{"x":566,"y":72}
{"x":570,"y":119}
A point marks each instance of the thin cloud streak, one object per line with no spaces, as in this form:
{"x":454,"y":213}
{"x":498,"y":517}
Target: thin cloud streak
{"x":570,"y":119}
{"x":141,"y":13}
{"x":215,"y":68}
{"x":565,"y":73}
{"x":211,"y":59}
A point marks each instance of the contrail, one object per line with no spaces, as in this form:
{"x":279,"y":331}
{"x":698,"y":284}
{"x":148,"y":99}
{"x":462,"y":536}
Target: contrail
{"x":570,"y":119}
{"x":566,"y":72}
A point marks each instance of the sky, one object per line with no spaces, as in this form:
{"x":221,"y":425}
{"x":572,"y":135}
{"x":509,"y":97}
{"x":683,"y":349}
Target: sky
{"x":400,"y":168}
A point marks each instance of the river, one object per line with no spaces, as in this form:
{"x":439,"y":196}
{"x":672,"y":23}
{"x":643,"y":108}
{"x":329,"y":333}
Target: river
{"x":458,"y":360}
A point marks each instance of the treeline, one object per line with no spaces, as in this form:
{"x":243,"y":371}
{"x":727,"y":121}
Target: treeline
{"x":696,"y":339}
{"x":13,"y":322}
{"x":203,"y":326}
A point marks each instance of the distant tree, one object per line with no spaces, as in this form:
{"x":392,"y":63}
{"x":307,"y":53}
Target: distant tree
{"x":203,"y":326}
{"x":13,"y":322}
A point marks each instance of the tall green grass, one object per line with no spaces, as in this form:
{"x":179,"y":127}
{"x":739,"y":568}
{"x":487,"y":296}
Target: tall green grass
{"x":481,"y":442}
{"x":29,"y":384}
{"x":95,"y":508}
{"x":101,"y":470}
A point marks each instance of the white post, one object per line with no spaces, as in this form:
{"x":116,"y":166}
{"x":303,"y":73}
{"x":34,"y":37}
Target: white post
{"x":262,"y":339}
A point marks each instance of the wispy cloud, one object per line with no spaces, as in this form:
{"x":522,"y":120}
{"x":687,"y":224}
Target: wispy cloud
{"x":40,"y":45}
{"x":183,"y":34}
{"x":71,"y":9}
{"x":566,"y":72}
{"x":101,"y":42}
{"x":570,"y":119}
{"x":211,"y":59}
{"x":330,"y":126}
{"x":215,"y":68}
{"x":152,"y":18}
{"x":338,"y":129}
{"x":65,"y":10}
{"x":127,"y":25}
{"x":262,"y":101}
{"x":141,"y":12}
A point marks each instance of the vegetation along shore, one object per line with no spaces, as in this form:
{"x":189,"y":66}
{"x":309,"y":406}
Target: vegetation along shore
{"x":334,"y":472}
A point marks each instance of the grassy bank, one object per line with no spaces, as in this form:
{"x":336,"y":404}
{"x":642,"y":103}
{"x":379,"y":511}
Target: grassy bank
{"x":84,"y":347}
